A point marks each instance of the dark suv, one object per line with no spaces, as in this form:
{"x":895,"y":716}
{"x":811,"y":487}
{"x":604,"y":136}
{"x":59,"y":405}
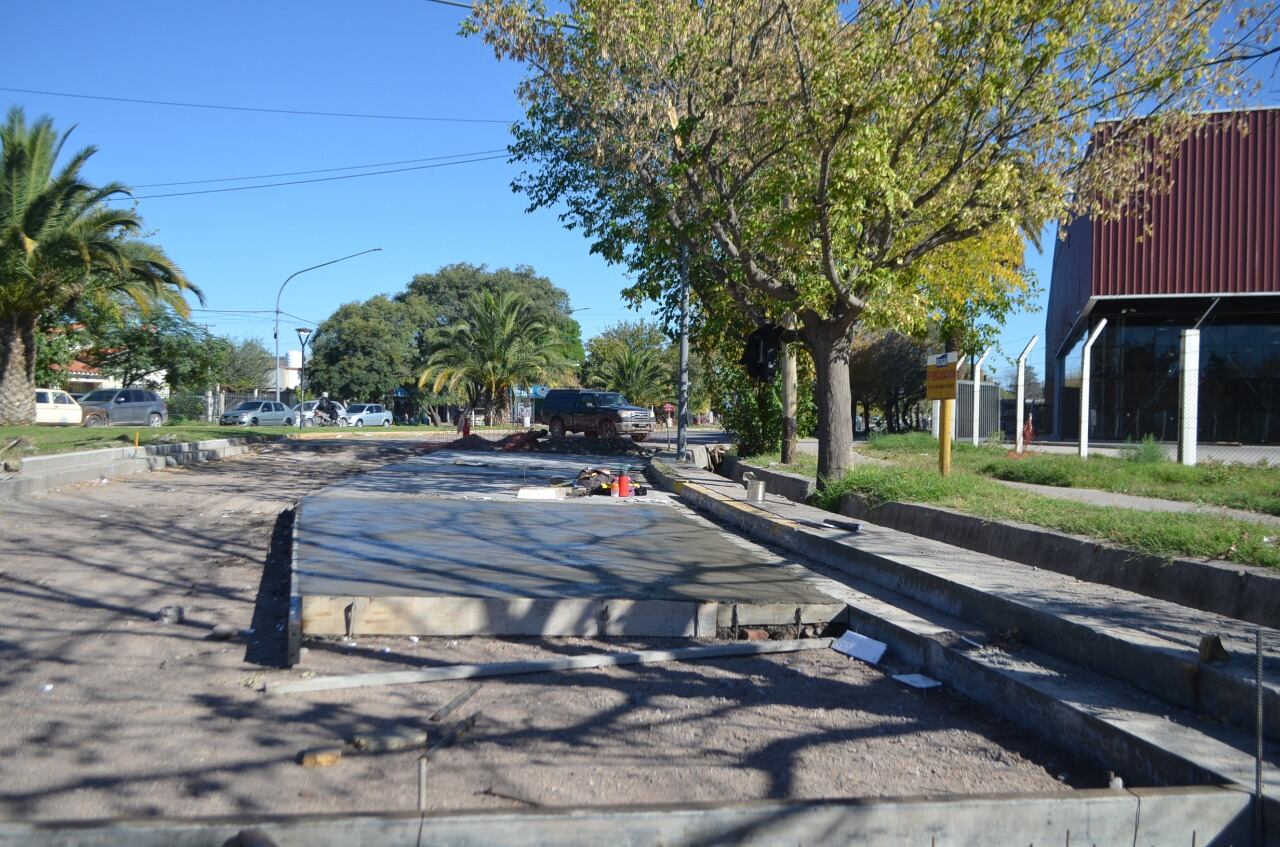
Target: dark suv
{"x":123,"y":406}
{"x":603,"y":414}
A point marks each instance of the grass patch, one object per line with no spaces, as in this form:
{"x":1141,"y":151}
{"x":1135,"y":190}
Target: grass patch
{"x":1164,"y":534}
{"x":1144,"y":471}
{"x":69,"y":439}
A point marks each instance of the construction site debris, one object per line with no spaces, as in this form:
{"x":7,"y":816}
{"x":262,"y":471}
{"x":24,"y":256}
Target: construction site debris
{"x":541,"y":492}
{"x":601,"y":660}
{"x":223,"y":632}
{"x":752,"y":634}
{"x":1211,"y":649}
{"x":453,"y":705}
{"x":389,"y":740}
{"x":917,"y":680}
{"x":860,"y":647}
{"x":171,"y":614}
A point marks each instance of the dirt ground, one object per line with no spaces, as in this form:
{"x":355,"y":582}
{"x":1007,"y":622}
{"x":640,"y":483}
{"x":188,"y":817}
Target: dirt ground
{"x":110,"y":712}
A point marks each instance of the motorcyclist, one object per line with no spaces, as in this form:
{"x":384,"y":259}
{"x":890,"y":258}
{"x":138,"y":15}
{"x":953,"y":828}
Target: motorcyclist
{"x":326,"y":409}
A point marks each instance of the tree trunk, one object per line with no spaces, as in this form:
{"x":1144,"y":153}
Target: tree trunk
{"x":788,"y":404}
{"x":17,"y":370}
{"x":828,"y":343}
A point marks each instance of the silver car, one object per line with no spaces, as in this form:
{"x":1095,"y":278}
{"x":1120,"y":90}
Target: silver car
{"x":368,"y":414}
{"x":307,"y":412}
{"x":258,"y":413}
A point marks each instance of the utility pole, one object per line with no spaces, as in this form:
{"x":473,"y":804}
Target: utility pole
{"x":682,"y":403}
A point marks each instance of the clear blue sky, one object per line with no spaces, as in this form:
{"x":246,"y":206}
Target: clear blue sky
{"x":394,"y":57}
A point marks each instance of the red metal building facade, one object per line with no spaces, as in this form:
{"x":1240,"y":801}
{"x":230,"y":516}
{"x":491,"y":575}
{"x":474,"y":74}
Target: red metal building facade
{"x":1214,"y":235}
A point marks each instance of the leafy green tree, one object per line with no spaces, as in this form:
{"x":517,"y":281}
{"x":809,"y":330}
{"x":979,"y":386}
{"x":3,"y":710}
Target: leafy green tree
{"x":156,"y":347}
{"x":60,"y":244}
{"x":365,"y":351}
{"x":248,"y":365}
{"x":55,"y":351}
{"x":448,"y":290}
{"x":811,"y":158}
{"x":493,"y":346}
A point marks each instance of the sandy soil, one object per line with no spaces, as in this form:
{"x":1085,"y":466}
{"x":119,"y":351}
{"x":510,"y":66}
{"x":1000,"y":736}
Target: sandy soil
{"x":109,"y":712}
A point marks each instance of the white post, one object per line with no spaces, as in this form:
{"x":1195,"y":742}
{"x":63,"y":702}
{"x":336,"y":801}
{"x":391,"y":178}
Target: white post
{"x":1020,"y":403}
{"x":1084,"y":387}
{"x":955,"y":417}
{"x":977,"y":395}
{"x":1189,"y":397}
{"x":935,"y":422}
{"x":208,"y":406}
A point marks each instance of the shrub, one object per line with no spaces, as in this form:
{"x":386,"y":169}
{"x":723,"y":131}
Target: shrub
{"x":1146,"y":452}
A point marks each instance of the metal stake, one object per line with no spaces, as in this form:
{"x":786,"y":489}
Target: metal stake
{"x":1257,"y":763}
{"x":422,"y":783}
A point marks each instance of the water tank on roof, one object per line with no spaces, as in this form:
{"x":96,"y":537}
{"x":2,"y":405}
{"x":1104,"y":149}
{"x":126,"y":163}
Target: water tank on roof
{"x":293,"y":359}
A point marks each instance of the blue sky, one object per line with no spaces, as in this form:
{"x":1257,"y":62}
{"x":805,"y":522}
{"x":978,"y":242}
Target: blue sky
{"x":394,"y":57}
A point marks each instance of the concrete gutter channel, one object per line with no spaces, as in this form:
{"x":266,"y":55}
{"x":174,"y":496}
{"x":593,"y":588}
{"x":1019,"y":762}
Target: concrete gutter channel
{"x":41,"y":473}
{"x":1145,"y":816}
{"x":931,"y":602}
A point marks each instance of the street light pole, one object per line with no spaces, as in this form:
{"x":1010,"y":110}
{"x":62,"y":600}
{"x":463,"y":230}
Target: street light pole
{"x":281,"y":291}
{"x":303,"y":332}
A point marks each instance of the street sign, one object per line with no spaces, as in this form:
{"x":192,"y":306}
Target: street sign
{"x":940,"y":376}
{"x":668,"y":407}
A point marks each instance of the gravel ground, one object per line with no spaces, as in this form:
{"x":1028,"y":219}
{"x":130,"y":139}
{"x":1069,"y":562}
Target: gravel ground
{"x":110,"y":712}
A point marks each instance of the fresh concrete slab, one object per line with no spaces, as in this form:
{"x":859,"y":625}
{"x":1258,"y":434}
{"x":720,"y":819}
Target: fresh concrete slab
{"x":441,"y":545}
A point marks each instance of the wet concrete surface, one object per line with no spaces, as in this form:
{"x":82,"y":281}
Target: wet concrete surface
{"x":448,"y":525}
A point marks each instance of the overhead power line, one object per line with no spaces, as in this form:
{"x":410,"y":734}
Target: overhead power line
{"x":225,"y":108}
{"x":127,"y":197}
{"x":320,"y":170}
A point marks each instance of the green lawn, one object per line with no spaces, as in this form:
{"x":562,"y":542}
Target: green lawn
{"x":913,"y":478}
{"x":67,"y":439}
{"x":1255,"y":488}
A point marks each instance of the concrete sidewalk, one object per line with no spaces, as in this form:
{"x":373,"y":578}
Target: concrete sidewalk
{"x":1110,"y":499}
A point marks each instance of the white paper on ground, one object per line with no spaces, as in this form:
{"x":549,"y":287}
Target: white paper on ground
{"x":917,"y":680}
{"x":860,"y":647}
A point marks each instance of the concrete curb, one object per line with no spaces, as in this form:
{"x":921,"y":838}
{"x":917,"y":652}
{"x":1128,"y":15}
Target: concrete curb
{"x":792,"y":486}
{"x":1237,"y":591}
{"x":1103,"y":818}
{"x":41,"y":473}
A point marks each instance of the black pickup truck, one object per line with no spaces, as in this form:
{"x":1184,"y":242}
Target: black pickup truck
{"x":602,"y":414}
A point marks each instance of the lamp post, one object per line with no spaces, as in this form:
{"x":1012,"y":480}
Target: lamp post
{"x":281,"y":291}
{"x":303,"y":332}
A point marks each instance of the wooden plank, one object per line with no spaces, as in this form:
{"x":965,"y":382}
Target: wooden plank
{"x":600,"y":660}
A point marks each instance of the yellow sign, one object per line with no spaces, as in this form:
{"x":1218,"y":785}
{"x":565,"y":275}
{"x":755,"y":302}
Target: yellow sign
{"x":940,"y":381}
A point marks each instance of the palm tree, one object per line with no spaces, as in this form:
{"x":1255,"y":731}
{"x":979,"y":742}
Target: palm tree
{"x":494,"y":347}
{"x":61,"y":245}
{"x":636,"y":372}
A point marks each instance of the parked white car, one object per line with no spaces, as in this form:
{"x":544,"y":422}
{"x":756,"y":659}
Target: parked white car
{"x":57,"y":408}
{"x":368,"y":414}
{"x":258,"y":413}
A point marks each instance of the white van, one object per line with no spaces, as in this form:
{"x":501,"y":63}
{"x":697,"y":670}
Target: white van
{"x":56,"y":407}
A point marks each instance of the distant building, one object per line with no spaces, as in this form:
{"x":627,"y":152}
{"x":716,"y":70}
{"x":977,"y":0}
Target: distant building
{"x":1207,"y":253}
